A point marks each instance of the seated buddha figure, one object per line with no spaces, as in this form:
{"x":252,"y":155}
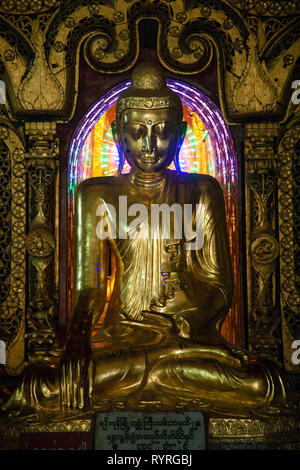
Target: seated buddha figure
{"x":160,"y":343}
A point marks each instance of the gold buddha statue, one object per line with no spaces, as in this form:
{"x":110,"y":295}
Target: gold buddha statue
{"x":160,"y":344}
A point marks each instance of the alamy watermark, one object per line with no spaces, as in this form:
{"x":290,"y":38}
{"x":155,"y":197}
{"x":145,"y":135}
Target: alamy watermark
{"x":2,"y":352}
{"x":157,"y":221}
{"x":2,"y":92}
{"x":296,"y":93}
{"x":296,"y":353}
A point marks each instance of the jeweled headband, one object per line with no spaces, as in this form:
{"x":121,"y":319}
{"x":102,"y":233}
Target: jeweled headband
{"x":148,"y":91}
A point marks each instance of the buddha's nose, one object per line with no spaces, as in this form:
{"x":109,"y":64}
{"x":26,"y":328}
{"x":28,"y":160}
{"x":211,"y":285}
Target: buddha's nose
{"x":149,"y":141}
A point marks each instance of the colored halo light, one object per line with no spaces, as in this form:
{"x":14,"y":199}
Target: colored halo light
{"x":207,"y":148}
{"x":196,"y":101}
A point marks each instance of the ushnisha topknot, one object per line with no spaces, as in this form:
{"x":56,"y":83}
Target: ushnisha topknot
{"x":148,"y":76}
{"x":148,"y":90}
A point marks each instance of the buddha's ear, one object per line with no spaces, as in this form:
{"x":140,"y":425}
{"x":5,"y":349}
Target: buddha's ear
{"x":182,"y":132}
{"x":115,"y":131}
{"x":116,"y":136}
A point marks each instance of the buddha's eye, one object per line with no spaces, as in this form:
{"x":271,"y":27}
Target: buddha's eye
{"x":136,"y":131}
{"x":164,"y":129}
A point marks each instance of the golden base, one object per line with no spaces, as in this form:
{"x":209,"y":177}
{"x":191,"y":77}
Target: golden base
{"x":280,"y":432}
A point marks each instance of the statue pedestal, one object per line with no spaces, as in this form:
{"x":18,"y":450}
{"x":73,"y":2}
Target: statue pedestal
{"x":280,"y":432}
{"x":230,"y":433}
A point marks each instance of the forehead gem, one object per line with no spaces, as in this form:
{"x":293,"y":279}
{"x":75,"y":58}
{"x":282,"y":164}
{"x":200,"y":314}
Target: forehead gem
{"x":149,"y":122}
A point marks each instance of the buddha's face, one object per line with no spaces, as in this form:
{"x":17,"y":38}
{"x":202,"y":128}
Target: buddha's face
{"x":149,"y":139}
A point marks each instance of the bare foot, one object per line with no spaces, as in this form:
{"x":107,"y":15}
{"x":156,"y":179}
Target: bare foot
{"x":238,"y":355}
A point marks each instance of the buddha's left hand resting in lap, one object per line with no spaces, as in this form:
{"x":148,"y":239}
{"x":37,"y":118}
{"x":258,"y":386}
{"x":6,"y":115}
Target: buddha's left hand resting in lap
{"x":160,"y":342}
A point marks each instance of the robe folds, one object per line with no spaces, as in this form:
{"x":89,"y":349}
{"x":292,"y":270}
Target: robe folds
{"x":169,"y":302}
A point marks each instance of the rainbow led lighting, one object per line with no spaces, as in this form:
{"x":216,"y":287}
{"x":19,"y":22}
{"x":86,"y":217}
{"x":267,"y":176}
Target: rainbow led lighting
{"x":208,"y":148}
{"x":219,"y":145}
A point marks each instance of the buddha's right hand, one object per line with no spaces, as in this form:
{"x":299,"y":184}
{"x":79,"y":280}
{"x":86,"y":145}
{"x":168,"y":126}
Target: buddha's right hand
{"x":76,"y":375}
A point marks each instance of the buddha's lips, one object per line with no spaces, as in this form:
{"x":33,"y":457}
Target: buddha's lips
{"x":149,"y":158}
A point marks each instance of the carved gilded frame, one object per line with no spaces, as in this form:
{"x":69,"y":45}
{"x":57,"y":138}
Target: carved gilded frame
{"x":12,"y":313}
{"x":256,"y":45}
{"x":287,"y":218}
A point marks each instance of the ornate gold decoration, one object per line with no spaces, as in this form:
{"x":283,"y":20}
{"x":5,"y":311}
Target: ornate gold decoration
{"x":265,"y":8}
{"x":287,"y":215}
{"x":32,"y":6}
{"x":40,"y":241}
{"x":262,"y":245}
{"x":160,"y":345}
{"x":5,"y":226}
{"x":12,"y":310}
{"x":185,"y":43}
{"x":188,"y":34}
{"x":283,"y":432}
{"x":255,"y":91}
{"x":155,"y":94}
{"x":39,"y":48}
{"x":45,"y":92}
{"x":95,"y":47}
{"x":264,"y":249}
{"x":146,"y":103}
{"x":10,"y":431}
{"x":16,"y":56}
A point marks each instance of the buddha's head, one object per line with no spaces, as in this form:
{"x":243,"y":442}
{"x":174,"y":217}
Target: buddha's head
{"x":148,"y":129}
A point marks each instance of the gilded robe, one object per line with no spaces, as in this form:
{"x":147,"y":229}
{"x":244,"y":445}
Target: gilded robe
{"x":160,"y":342}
